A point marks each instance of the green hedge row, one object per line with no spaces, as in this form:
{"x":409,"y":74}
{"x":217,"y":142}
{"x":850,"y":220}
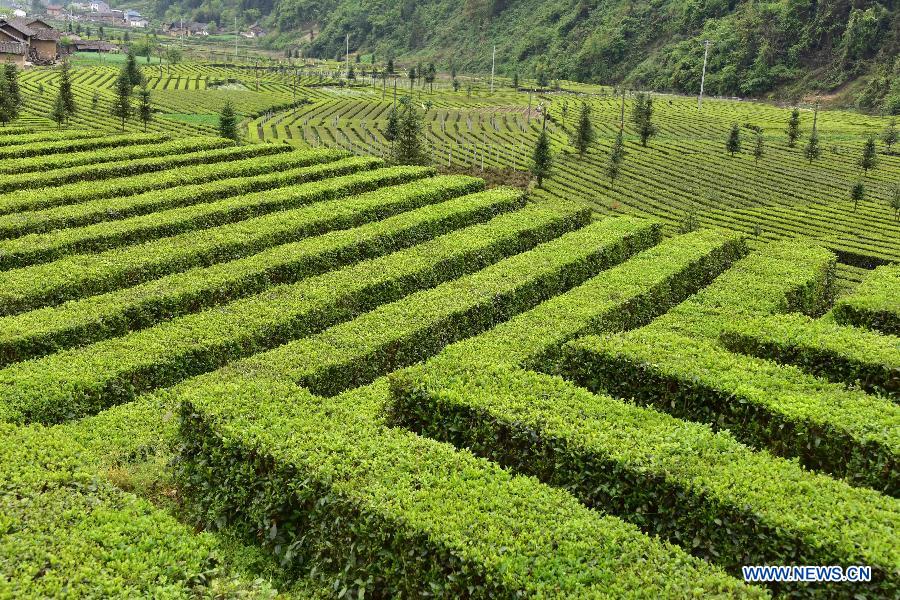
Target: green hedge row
{"x":152,"y":158}
{"x":245,"y":174}
{"x":209,"y":166}
{"x":828,"y":428}
{"x":875,"y":303}
{"x":377,"y":511}
{"x":674,"y":479}
{"x":33,"y":137}
{"x":839,"y":353}
{"x":14,"y":135}
{"x":73,"y":144}
{"x":786,"y":276}
{"x":624,"y":297}
{"x":94,"y":318}
{"x":38,"y":248}
{"x":411,"y":329}
{"x":81,"y":275}
{"x":87,"y":157}
{"x":66,"y":532}
{"x":82,"y":381}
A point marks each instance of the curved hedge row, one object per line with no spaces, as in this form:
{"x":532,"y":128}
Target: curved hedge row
{"x":875,"y":304}
{"x":79,"y":142}
{"x":91,"y":319}
{"x":81,"y":275}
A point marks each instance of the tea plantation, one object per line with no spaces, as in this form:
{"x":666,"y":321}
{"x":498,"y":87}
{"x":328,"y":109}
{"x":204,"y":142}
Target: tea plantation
{"x":294,"y":370}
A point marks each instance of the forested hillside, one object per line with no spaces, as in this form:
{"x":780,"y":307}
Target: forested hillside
{"x":782,"y":47}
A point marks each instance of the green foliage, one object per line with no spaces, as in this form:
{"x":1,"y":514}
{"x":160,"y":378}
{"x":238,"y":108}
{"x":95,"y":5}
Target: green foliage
{"x":59,"y":114}
{"x":408,"y":147}
{"x":857,"y":193}
{"x":869,"y":158}
{"x":584,"y":132}
{"x":9,"y":108}
{"x":733,"y":143}
{"x":145,"y":108}
{"x":889,"y":136}
{"x":642,"y":117}
{"x":122,"y":107}
{"x":759,"y":147}
{"x":812,"y":151}
{"x":11,"y":72}
{"x":542,"y":158}
{"x":228,"y":123}
{"x":133,"y":71}
{"x":65,"y":89}
{"x":793,"y":129}
{"x":874,"y":304}
{"x":616,"y":157}
{"x":894,"y":201}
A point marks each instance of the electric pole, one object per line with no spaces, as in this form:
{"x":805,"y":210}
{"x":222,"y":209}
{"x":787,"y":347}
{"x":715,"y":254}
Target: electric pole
{"x":622,"y":115}
{"x":703,"y":76}
{"x":493,"y":62}
{"x":236,"y":34}
{"x":348,"y":56}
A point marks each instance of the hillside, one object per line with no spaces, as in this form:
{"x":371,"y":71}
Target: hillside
{"x":782,"y":48}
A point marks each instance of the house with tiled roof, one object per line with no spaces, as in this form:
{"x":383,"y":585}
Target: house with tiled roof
{"x":40,"y":40}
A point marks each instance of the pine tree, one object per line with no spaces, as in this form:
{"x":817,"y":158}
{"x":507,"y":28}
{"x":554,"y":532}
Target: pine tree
{"x":58,"y":113}
{"x":616,"y":157}
{"x":145,"y":109}
{"x":869,"y":159}
{"x":412,"y":77}
{"x":408,"y":148}
{"x":812,"y":150}
{"x":65,"y":89}
{"x":759,"y":148}
{"x":390,"y":65}
{"x":642,"y":116}
{"x":393,"y":125}
{"x":857,"y":193}
{"x":793,"y":130}
{"x":131,"y":68}
{"x":584,"y":134}
{"x":121,"y":107}
{"x":515,"y":81}
{"x":8,"y":108}
{"x":889,"y":136}
{"x":228,"y":122}
{"x":894,"y":202}
{"x":733,"y":145}
{"x":12,"y":79}
{"x":430,"y":76}
{"x":542,"y":159}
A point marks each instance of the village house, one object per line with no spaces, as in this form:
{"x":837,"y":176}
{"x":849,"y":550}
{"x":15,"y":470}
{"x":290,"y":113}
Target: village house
{"x":186,"y":29}
{"x":55,"y":11}
{"x":40,"y":39}
{"x":254,"y":31}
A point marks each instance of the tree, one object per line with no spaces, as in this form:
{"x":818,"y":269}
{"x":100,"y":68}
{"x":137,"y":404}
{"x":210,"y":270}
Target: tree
{"x":857,"y":193}
{"x":65,"y":89}
{"x":793,"y":129}
{"x":408,"y":147}
{"x":584,"y":134}
{"x":173,"y":56}
{"x":12,"y":79}
{"x":515,"y":81}
{"x":132,"y":70}
{"x":894,"y":201}
{"x":121,"y":107}
{"x":889,"y":136}
{"x":455,"y":84}
{"x":412,"y":77}
{"x":869,"y":159}
{"x":616,"y":157}
{"x":542,"y":159}
{"x":430,"y":75}
{"x":351,"y":74}
{"x":390,"y":65}
{"x":145,"y":110}
{"x":733,"y":145}
{"x":8,"y":108}
{"x":228,"y":122}
{"x":58,"y":113}
{"x":393,"y":125}
{"x":642,"y":115}
{"x":759,"y":148}
{"x":812,"y":150}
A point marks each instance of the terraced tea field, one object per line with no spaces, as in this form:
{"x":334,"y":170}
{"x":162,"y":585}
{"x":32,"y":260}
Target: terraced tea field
{"x":259,"y":371}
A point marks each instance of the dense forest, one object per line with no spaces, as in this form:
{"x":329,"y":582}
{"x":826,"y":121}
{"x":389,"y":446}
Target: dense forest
{"x":779,"y":48}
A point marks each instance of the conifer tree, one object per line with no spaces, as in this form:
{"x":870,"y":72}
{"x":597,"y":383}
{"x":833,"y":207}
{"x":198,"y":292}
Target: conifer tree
{"x":430,"y":75}
{"x":894,"y":201}
{"x":616,"y":157}
{"x":12,"y":78}
{"x":8,"y":108}
{"x":65,"y":89}
{"x":793,"y":129}
{"x":131,"y":68}
{"x":515,"y":81}
{"x":121,"y":107}
{"x":58,"y":113}
{"x":642,"y":116}
{"x":584,"y":134}
{"x":145,"y":109}
{"x":412,"y":77}
{"x":857,"y":193}
{"x":408,"y":148}
{"x":869,"y":158}
{"x":733,"y":145}
{"x":812,"y":150}
{"x":393,"y":125}
{"x":542,"y":159}
{"x":889,"y":136}
{"x":759,"y":148}
{"x":228,"y":122}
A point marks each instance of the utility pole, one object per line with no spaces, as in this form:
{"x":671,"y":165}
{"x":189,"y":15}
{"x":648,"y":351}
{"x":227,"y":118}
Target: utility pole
{"x":236,"y":34}
{"x":348,"y":56}
{"x":622,"y":115}
{"x":493,"y":63}
{"x":703,"y":76}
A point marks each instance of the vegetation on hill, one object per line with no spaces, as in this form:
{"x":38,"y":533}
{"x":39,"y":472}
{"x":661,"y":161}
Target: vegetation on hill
{"x":782,"y":47}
